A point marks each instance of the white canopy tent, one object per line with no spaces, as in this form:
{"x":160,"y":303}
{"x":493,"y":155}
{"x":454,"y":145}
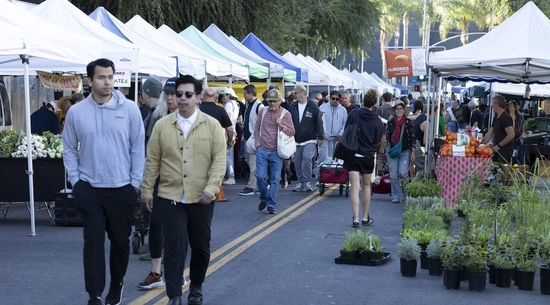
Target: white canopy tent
{"x":315,"y":77}
{"x":186,"y":63}
{"x":214,"y":33}
{"x":335,"y":78}
{"x":44,"y":46}
{"x":516,"y":50}
{"x":214,"y":65}
{"x":360,"y":80}
{"x":368,"y":82}
{"x":349,"y":83}
{"x":518,"y":89}
{"x":125,"y":55}
{"x":385,"y":86}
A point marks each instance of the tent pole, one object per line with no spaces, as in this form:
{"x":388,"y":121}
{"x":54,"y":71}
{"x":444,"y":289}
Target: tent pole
{"x":25,"y":59}
{"x":205,"y":75}
{"x":136,"y":87}
{"x":231,"y":76}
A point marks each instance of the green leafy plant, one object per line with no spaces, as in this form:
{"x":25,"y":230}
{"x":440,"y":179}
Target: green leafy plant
{"x":408,"y":249}
{"x":423,"y":202}
{"x":416,"y":217}
{"x":351,"y":242}
{"x":423,"y":188}
{"x":9,"y":140}
{"x":435,"y":247}
{"x":452,"y":255}
{"x":544,"y":251}
{"x":475,"y":257}
{"x":424,"y":237}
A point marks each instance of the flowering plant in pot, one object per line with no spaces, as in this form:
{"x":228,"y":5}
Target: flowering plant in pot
{"x":475,"y":261}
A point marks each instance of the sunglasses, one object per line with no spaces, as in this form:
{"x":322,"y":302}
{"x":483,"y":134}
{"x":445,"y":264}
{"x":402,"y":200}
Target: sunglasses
{"x":188,"y":94}
{"x":272,"y":101}
{"x":334,"y":98}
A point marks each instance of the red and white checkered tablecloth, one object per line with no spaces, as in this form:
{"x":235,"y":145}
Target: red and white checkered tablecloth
{"x":451,"y":171}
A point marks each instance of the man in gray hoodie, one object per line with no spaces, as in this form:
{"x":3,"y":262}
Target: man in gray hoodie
{"x":106,"y":172}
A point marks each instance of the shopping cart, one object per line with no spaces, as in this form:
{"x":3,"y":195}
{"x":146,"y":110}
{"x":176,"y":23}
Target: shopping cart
{"x":333,"y":173}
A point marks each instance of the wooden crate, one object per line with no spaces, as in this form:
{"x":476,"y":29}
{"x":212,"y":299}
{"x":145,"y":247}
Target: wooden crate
{"x":543,"y":169}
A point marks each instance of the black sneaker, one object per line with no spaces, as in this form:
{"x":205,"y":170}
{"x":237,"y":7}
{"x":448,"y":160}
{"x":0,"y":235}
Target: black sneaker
{"x":247,"y":192}
{"x":270,"y":210}
{"x":367,"y":222}
{"x":114,"y":297}
{"x":355,"y":223}
{"x":95,"y":301}
{"x":152,"y":281}
{"x":262,"y":206}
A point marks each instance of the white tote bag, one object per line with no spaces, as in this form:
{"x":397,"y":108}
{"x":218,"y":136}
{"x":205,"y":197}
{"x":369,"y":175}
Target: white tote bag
{"x":286,"y":146}
{"x":250,"y":145}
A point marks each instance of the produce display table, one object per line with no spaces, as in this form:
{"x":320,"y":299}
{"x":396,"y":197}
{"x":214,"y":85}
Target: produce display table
{"x":49,"y":178}
{"x":451,"y":171}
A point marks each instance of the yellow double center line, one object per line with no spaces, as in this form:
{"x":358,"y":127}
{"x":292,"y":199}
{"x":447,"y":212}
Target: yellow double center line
{"x":273,"y":224}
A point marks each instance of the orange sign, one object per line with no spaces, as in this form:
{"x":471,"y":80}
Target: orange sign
{"x":408,"y":62}
{"x":398,"y":62}
{"x":54,"y":81}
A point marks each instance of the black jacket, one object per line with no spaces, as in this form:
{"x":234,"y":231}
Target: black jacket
{"x":311,"y":126}
{"x":371,"y":130}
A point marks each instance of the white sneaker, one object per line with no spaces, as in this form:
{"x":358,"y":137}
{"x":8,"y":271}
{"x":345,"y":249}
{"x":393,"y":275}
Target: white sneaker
{"x":299,"y":187}
{"x":229,"y":181}
{"x":308,"y":187}
{"x":184,"y":283}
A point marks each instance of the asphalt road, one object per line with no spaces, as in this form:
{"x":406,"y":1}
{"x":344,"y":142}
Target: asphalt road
{"x":287,"y":258}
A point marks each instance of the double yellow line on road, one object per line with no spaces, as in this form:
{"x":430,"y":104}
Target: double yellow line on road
{"x":273,"y":224}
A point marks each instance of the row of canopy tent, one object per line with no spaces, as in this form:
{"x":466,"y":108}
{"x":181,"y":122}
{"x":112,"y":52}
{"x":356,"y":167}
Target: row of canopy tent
{"x":138,"y":47}
{"x":58,"y":37}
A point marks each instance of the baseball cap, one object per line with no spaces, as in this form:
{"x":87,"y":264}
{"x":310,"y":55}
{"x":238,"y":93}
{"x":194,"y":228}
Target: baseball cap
{"x":273,"y":95}
{"x":170,"y":85}
{"x":152,"y":87}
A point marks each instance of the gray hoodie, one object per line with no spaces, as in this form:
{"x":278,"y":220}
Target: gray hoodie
{"x":111,"y":138}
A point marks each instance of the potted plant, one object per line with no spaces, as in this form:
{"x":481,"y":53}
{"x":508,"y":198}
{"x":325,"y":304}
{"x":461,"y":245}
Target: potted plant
{"x":408,"y":251}
{"x":350,"y":245}
{"x":504,"y":265}
{"x":475,"y":261}
{"x":451,"y":258}
{"x":434,"y":252}
{"x":447,"y":214}
{"x":376,"y":250}
{"x":424,"y":236}
{"x":544,"y":268}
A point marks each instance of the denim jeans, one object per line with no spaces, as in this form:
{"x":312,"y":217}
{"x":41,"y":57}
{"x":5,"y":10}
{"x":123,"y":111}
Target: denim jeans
{"x":399,"y":170}
{"x":229,"y":169}
{"x":268,"y":159}
{"x":452,"y":126}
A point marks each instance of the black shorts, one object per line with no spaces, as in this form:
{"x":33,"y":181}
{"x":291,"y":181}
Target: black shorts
{"x":363,"y":165}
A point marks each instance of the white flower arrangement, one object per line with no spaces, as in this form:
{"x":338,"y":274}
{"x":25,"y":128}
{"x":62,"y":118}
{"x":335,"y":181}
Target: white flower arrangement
{"x":47,"y":145}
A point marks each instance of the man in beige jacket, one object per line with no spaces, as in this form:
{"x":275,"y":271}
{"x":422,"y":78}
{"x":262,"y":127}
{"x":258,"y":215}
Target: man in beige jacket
{"x":187,"y":150}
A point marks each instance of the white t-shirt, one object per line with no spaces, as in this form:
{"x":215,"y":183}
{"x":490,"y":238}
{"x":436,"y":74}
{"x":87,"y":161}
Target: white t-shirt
{"x":301,"y":108}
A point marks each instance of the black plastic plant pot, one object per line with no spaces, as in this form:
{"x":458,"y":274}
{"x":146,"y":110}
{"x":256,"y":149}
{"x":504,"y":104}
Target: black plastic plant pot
{"x":477,"y":280}
{"x":452,"y":278}
{"x":408,"y":267}
{"x":545,"y":279}
{"x":525,"y":279}
{"x":435,"y":266}
{"x":503,"y":277}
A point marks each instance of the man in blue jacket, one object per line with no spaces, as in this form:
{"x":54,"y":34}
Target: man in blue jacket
{"x":309,"y":134}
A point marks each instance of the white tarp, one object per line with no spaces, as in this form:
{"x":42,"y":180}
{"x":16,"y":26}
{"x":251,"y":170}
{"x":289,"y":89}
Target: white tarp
{"x":125,"y":55}
{"x":186,"y":64}
{"x":520,"y":43}
{"x":315,"y":77}
{"x":369,"y":83}
{"x":214,"y":65}
{"x":519,"y":89}
{"x":46,"y":43}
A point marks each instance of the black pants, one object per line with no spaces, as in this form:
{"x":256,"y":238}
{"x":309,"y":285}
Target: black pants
{"x":104,"y":209}
{"x":183,"y":223}
{"x":154,"y":220}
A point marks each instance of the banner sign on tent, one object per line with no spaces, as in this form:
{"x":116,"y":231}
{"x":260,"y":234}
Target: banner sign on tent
{"x":408,"y":62}
{"x":54,"y":81}
{"x":123,"y":79}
